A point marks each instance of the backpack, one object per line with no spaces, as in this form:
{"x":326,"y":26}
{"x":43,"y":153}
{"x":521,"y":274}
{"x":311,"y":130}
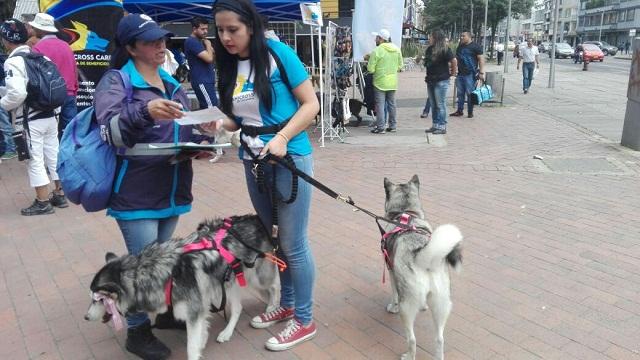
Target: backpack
{"x":46,"y":89}
{"x":86,"y":162}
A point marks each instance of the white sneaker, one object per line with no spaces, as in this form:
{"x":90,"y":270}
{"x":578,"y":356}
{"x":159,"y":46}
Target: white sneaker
{"x":216,"y":158}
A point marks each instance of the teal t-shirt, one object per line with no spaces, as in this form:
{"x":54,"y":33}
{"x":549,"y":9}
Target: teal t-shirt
{"x":249,"y":111}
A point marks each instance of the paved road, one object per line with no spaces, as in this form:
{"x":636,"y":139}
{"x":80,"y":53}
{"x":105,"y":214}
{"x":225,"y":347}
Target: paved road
{"x":609,"y":65}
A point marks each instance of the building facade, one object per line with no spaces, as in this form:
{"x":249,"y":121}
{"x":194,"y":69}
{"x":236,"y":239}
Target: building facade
{"x":608,"y":20}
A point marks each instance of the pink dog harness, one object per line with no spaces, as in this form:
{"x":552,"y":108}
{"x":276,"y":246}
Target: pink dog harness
{"x":110,"y":308}
{"x":404,"y":220}
{"x":206,"y":244}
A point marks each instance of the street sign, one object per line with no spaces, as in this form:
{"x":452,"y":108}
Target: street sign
{"x":632,"y":32}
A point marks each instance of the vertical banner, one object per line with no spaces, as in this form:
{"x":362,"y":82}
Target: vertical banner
{"x":371,"y":16}
{"x":90,"y":27}
{"x":311,"y":14}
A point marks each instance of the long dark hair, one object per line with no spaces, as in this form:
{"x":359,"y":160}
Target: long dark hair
{"x":439,"y":47}
{"x":227,"y":64}
{"x":120,"y":55}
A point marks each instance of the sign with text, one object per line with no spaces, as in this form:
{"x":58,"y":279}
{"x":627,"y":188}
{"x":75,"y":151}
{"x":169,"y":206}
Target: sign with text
{"x":90,"y":27}
{"x":311,"y":13}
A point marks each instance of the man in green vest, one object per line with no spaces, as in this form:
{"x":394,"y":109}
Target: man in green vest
{"x":384,"y":63}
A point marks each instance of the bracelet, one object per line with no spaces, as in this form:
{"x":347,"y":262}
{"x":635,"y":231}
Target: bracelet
{"x":283,"y":135}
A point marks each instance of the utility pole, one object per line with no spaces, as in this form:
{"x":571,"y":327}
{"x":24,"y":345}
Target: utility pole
{"x":484,"y":27}
{"x":506,"y":40}
{"x":552,"y":68}
{"x":601,"y":21}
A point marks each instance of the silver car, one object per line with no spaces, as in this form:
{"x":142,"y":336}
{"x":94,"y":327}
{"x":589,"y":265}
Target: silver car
{"x":563,"y":50}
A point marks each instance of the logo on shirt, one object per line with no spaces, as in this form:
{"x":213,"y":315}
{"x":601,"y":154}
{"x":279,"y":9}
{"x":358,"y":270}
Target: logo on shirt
{"x":242,"y":86}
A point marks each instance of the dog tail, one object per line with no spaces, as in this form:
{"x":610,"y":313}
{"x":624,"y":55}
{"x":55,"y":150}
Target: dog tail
{"x":445,"y":245}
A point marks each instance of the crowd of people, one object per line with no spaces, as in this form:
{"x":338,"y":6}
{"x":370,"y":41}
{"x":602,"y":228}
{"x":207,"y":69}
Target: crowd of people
{"x":137,"y":101}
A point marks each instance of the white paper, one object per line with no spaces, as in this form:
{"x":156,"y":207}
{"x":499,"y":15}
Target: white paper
{"x":201,"y":116}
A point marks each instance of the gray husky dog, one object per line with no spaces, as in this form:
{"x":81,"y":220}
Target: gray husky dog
{"x":139,"y":283}
{"x":419,"y":261}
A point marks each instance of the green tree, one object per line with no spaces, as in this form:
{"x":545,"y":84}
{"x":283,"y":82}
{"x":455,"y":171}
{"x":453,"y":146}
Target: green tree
{"x":454,"y":16}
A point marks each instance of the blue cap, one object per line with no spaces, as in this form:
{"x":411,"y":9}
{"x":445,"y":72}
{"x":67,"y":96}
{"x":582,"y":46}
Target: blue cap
{"x":139,"y":27}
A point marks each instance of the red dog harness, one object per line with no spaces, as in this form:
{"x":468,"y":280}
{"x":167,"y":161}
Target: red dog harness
{"x":206,"y":244}
{"x":404,"y":220}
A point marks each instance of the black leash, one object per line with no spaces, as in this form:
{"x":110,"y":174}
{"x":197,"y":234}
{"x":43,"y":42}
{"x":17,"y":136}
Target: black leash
{"x":325,"y":189}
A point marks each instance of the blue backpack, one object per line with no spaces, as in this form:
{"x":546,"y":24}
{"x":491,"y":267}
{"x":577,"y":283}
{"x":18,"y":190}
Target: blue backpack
{"x":86,"y":162}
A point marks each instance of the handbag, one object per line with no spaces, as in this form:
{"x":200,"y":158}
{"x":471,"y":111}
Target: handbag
{"x":481,"y":94}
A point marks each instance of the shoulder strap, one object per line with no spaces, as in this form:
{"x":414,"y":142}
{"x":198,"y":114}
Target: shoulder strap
{"x":283,"y":73}
{"x":126,"y":81}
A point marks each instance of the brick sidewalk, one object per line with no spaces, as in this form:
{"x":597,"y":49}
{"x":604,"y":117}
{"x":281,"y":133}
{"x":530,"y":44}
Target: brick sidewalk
{"x":551,"y":247}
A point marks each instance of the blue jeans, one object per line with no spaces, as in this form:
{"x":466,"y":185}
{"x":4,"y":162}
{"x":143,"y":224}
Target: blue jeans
{"x":68,"y":111}
{"x":427,"y":105}
{"x":6,"y":130}
{"x":139,"y":233}
{"x":465,"y":84}
{"x":385,"y":105}
{"x":527,"y":74}
{"x":297,"y":281}
{"x":438,"y":98}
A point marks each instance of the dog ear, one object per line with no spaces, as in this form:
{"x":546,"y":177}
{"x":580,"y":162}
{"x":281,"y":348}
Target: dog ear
{"x":110,"y":289}
{"x":414,"y":180}
{"x":388,"y":186}
{"x":108,"y":257}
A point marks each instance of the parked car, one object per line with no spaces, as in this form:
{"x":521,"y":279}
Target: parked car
{"x":606,"y":48}
{"x":563,"y":50}
{"x":511,"y":45}
{"x":591,"y":53}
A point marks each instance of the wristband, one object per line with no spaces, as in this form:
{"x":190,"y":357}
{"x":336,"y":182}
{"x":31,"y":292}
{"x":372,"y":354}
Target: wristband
{"x":283,"y":136}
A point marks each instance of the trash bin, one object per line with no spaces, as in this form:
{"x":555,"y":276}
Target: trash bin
{"x":496,"y":81}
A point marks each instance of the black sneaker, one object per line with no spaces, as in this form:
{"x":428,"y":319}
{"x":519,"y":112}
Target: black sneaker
{"x":457,"y":113}
{"x":430,"y":130}
{"x":38,"y":208}
{"x":424,"y":115}
{"x":377,"y":131}
{"x":391,"y":129}
{"x":439,"y":132}
{"x":58,"y":200}
{"x":470,"y":115}
{"x":142,"y":342}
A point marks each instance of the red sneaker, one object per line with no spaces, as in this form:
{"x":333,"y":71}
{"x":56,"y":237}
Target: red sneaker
{"x":267,"y":319}
{"x":293,"y":334}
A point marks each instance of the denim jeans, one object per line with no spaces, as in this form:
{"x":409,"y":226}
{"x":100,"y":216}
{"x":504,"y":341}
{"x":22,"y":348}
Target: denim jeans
{"x":527,"y":74}
{"x":438,"y":97}
{"x":68,"y":111}
{"x":297,"y":281}
{"x":427,"y":104}
{"x":6,"y":130}
{"x":138,"y":234}
{"x":385,"y":103}
{"x":465,"y":84}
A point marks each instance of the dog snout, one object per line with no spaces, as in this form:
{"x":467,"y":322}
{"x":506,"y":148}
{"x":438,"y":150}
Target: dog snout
{"x":86,"y":317}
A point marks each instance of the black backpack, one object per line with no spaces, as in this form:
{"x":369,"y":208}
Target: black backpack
{"x":46,"y":89}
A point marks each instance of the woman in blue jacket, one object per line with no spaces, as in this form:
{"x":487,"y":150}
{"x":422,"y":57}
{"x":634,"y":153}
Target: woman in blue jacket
{"x":149,"y":192}
{"x":273,"y":114}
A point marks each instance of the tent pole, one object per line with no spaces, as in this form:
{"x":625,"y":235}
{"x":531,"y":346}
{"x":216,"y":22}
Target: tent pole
{"x":321,"y":85}
{"x":313,"y":61}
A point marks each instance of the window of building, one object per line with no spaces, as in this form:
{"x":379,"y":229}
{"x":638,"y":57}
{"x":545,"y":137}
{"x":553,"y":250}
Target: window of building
{"x":631,"y":14}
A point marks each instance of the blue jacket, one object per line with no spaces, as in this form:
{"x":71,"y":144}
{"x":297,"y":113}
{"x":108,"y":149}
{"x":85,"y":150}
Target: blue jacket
{"x":146,"y":187}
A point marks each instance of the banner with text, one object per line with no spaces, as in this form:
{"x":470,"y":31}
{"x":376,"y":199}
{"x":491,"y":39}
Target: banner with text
{"x":89,"y":27}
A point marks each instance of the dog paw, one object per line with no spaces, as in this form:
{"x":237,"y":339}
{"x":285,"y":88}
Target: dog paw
{"x":424,"y":307}
{"x":224,"y":336}
{"x":393,"y":308}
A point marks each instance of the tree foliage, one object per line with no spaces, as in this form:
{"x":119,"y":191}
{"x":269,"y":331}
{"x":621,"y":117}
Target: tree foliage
{"x":455,"y":15}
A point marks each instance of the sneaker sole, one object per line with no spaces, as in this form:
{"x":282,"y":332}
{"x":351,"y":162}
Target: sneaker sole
{"x":287,"y":346}
{"x":52,"y":211}
{"x":61,"y":206}
{"x":264,"y":325}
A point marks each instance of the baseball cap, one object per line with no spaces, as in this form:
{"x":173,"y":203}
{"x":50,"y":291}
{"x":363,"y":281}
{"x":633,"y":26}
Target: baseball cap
{"x":139,"y":27}
{"x":383,"y":33}
{"x":14,"y":31}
